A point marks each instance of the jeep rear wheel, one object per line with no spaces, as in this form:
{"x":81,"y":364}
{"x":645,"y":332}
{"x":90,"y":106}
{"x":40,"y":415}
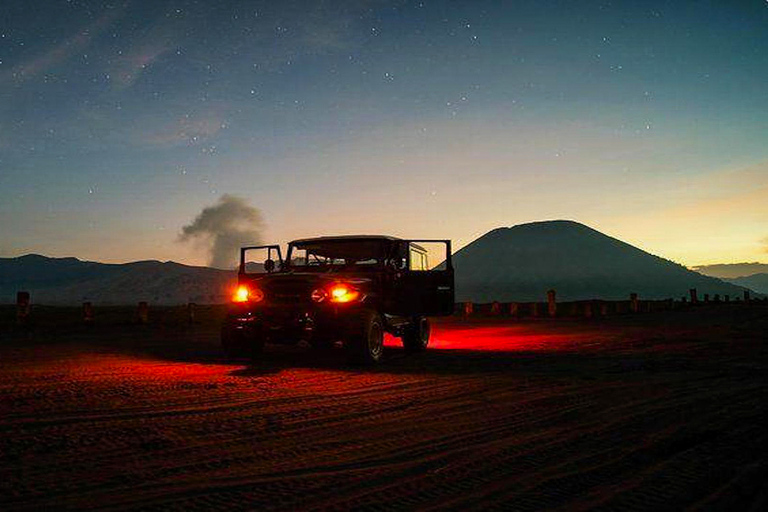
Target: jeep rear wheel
{"x":416,"y":335}
{"x":366,"y":339}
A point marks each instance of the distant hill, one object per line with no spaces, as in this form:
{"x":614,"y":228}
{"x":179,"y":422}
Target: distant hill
{"x":59,"y":281}
{"x":732,"y":270}
{"x":519,"y":263}
{"x":522,"y":262}
{"x":756,"y":282}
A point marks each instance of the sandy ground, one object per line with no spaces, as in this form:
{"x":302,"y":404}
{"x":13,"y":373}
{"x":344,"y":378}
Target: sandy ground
{"x":665,"y":410}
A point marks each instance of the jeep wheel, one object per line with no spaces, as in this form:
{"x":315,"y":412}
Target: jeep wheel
{"x":366,"y":340}
{"x":238,"y":343}
{"x":416,"y":335}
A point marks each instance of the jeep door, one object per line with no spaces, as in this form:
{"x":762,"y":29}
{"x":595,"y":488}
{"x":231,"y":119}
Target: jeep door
{"x":259,"y":259}
{"x":425,"y":287}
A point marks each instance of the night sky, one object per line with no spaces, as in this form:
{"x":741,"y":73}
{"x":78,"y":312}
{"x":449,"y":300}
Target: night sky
{"x":121,"y":121}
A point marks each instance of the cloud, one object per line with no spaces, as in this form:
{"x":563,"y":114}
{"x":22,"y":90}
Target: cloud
{"x":224,"y":228}
{"x":61,"y":52}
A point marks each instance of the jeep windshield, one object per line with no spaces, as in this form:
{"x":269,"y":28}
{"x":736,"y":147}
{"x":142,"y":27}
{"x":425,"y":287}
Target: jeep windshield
{"x":333,"y":255}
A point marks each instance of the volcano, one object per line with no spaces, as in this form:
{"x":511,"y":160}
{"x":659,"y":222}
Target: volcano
{"x":522,"y":262}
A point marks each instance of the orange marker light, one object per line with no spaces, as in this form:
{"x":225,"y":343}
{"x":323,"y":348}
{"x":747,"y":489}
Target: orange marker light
{"x":343,"y":293}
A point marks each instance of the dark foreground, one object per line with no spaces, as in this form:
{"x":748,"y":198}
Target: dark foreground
{"x":666,"y":410}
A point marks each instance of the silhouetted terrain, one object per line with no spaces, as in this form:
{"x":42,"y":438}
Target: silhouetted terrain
{"x":522,"y":262}
{"x":732,"y":270}
{"x":507,"y":264}
{"x":70,"y":281}
{"x":756,"y":282}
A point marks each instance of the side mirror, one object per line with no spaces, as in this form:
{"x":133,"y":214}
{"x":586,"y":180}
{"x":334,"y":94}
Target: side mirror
{"x":269,"y":265}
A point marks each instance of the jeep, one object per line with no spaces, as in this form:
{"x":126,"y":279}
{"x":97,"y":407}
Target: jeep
{"x":346,"y":290}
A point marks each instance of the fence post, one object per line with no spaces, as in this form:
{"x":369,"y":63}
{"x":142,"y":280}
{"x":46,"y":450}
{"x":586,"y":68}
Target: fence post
{"x":534,"y":309}
{"x":191,"y":312}
{"x":495,"y":308}
{"x":694,"y":298}
{"x":142,"y":312}
{"x":514,"y":309}
{"x":468,"y":309}
{"x":87,"y":313}
{"x":633,"y":305}
{"x":706,"y":297}
{"x":22,"y":308}
{"x":551,"y":303}
{"x":746,"y":295}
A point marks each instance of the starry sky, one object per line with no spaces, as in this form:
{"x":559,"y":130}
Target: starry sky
{"x":120,"y":121}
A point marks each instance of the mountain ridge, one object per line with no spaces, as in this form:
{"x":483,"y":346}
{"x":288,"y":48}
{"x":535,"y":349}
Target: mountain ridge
{"x":69,"y":280}
{"x":516,"y":263}
{"x":521,"y":262}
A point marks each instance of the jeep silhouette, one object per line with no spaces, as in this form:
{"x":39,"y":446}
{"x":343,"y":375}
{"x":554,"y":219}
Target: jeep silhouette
{"x":343,"y":289}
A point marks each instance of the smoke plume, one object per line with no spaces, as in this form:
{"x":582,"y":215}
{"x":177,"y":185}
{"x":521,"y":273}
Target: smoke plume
{"x":225,"y":227}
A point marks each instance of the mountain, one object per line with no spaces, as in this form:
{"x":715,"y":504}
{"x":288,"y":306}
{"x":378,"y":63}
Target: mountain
{"x":522,"y":262}
{"x":757,"y":282}
{"x":59,"y":281}
{"x":732,"y":270}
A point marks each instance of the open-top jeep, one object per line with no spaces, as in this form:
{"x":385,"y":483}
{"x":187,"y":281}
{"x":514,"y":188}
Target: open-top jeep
{"x":348,"y":289}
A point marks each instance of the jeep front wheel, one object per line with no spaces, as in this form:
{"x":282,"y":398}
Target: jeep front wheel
{"x":416,"y":335}
{"x":366,"y":339}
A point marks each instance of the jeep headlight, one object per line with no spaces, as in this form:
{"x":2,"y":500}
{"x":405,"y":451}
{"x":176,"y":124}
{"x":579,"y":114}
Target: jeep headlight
{"x":340,"y":293}
{"x":248,"y":294}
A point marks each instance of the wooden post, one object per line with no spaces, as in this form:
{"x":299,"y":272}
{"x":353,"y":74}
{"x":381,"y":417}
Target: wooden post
{"x":706,"y":297}
{"x":746,"y":295}
{"x":142,"y":312}
{"x":633,"y":305}
{"x":551,"y":303}
{"x":468,"y":308}
{"x":514,"y":309}
{"x":534,"y":309}
{"x":191,"y":312}
{"x":694,"y":298}
{"x":22,"y":308}
{"x":495,"y":308}
{"x":87,"y":313}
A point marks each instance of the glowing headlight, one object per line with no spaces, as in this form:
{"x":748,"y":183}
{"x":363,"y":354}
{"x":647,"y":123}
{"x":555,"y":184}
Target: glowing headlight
{"x":245,"y":294}
{"x":343,"y":293}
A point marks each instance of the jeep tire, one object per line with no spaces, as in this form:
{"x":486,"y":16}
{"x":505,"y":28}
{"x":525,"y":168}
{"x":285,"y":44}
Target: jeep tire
{"x":416,"y":335}
{"x":365,"y":339}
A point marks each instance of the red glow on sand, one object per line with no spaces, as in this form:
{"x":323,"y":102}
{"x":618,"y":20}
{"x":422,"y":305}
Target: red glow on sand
{"x":500,"y":338}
